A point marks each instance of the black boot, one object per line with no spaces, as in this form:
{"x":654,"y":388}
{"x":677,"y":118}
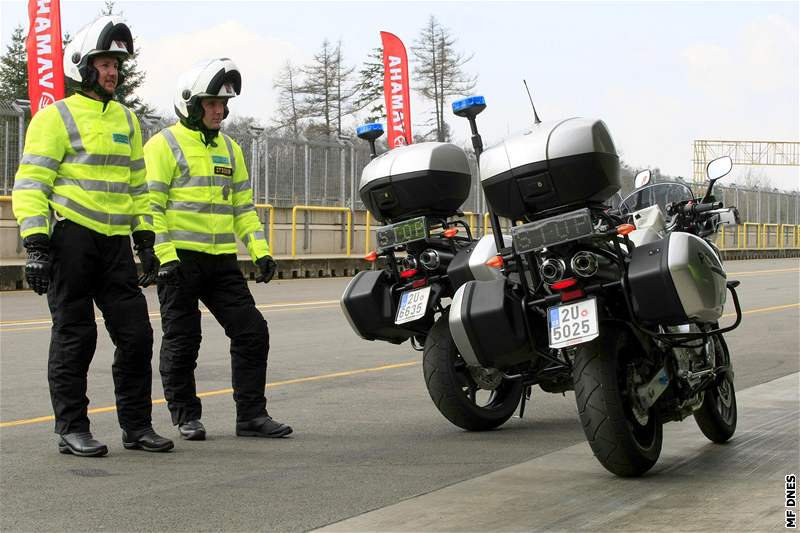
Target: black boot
{"x":192,"y":430}
{"x":263,"y":426}
{"x":145,"y":439}
{"x":82,"y":444}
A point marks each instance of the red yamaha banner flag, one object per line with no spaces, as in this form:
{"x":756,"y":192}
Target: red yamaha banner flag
{"x":45,"y":67}
{"x":396,"y":90}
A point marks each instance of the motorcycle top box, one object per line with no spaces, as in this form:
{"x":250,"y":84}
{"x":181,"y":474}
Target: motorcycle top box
{"x":571,"y":162}
{"x":677,"y":280}
{"x":430,"y":179}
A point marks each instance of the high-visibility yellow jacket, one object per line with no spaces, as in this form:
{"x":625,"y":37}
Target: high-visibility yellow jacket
{"x":83,"y":159}
{"x":200,"y":195}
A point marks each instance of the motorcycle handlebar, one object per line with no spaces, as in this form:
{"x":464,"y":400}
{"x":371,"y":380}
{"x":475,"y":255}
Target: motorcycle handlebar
{"x":696,"y":209}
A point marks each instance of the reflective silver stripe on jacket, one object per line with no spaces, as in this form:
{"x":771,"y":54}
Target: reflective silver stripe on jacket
{"x":98,"y":160}
{"x":137,"y":164}
{"x":162,"y":237}
{"x":241,"y":186}
{"x":204,"y":238}
{"x":230,"y":152}
{"x":242,"y":209}
{"x":130,"y":123}
{"x":94,"y":185}
{"x":75,"y":140}
{"x":256,"y":236}
{"x":40,"y":161}
{"x":158,"y":186}
{"x":138,"y":190}
{"x":200,"y":207}
{"x":199,"y":181}
{"x":97,"y":216}
{"x":157,"y":208}
{"x":33,"y":222}
{"x":141,"y":219}
{"x":27,"y":184}
{"x":177,"y":152}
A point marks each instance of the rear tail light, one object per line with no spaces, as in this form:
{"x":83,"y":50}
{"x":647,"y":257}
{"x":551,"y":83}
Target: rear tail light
{"x":371,"y":257}
{"x":410,"y":273}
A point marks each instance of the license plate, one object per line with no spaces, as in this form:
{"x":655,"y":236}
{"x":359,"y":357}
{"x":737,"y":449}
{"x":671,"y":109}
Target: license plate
{"x":413,"y":304}
{"x":572,"y":324}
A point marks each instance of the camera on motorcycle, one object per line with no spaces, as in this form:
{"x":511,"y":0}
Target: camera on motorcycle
{"x":642,"y":178}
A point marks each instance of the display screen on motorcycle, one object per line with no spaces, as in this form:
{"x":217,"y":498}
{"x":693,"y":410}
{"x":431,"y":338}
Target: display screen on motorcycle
{"x":551,"y":231}
{"x":659,"y":194}
{"x":404,"y":232}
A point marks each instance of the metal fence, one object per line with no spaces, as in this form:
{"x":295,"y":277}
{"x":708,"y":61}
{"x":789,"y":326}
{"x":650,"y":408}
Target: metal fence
{"x":288,"y":172}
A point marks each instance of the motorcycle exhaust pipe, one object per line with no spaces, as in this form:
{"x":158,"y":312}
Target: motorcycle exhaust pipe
{"x":432,"y":259}
{"x":552,"y":270}
{"x":584,"y":264}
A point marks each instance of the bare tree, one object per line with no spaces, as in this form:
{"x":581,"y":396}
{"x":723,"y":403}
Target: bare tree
{"x":288,"y":114}
{"x":439,"y":71}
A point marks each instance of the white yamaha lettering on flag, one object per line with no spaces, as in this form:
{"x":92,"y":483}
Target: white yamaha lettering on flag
{"x":43,"y":44}
{"x":396,"y":91}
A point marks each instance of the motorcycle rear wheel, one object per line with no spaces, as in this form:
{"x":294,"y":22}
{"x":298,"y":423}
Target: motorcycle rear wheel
{"x":455,"y":392}
{"x":619,"y":441}
{"x":717,"y":416}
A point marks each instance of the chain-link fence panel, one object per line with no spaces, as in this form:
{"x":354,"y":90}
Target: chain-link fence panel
{"x":12,"y":139}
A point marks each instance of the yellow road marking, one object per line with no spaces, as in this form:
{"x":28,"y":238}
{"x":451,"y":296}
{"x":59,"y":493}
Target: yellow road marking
{"x":763,"y":271}
{"x":159,"y":401}
{"x":763,"y":310}
{"x":280,"y":306}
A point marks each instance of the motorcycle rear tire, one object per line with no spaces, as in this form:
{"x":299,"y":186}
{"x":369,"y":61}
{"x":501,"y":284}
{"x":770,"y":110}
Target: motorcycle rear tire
{"x":717,"y":416}
{"x":621,"y":444}
{"x":445,"y":376}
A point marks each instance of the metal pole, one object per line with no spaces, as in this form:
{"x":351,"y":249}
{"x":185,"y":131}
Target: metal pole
{"x":266,"y":170}
{"x":7,"y":169}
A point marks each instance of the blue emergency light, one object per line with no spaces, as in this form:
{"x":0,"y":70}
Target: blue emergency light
{"x":370,"y":131}
{"x":471,"y":105}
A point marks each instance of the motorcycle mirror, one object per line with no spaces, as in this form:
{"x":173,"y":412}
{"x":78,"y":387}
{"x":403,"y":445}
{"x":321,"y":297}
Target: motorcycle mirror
{"x":719,"y":167}
{"x":715,"y":170}
{"x":370,"y":133}
{"x":642,"y":178}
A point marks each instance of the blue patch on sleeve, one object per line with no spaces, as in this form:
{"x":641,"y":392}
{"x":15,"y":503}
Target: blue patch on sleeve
{"x":120,"y":138}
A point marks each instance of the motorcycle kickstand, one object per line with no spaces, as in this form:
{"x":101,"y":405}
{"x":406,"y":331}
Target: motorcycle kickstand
{"x":525,"y":398}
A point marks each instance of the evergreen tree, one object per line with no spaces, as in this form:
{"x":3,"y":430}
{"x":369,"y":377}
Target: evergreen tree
{"x":132,"y":76}
{"x":439,"y":71}
{"x":326,"y":92}
{"x":369,"y":89}
{"x":14,"y":68}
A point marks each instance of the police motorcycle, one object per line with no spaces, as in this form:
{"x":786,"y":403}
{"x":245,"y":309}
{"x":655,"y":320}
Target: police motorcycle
{"x":428,"y":251}
{"x":626,"y":302}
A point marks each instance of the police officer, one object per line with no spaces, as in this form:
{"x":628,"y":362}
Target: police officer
{"x":202,"y":201}
{"x":83,"y":161}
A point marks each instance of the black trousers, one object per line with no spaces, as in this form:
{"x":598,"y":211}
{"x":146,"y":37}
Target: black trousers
{"x":89,"y":267}
{"x":216,"y":281}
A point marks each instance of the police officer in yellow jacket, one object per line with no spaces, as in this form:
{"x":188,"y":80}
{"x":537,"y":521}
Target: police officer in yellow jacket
{"x":202,"y":201}
{"x":83,"y":164}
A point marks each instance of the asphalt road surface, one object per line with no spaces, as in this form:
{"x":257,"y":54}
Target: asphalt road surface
{"x":368,"y":438}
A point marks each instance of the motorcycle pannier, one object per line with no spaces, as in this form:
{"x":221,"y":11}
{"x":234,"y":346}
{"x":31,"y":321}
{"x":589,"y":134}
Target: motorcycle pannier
{"x":571,"y":162}
{"x":677,"y":280}
{"x":368,"y":305}
{"x":487,"y":325}
{"x":429,"y":178}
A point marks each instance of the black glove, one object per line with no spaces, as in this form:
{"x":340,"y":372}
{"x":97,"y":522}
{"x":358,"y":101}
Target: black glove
{"x":37,"y":266}
{"x":143,"y":244}
{"x":170,"y":273}
{"x":267,"y":266}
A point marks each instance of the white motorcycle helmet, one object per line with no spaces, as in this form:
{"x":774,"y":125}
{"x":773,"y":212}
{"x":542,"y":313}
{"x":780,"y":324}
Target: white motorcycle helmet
{"x":106,"y":35}
{"x":218,"y":78}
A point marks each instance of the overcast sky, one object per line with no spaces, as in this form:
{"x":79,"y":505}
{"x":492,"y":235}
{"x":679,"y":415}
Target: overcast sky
{"x":660,"y":74}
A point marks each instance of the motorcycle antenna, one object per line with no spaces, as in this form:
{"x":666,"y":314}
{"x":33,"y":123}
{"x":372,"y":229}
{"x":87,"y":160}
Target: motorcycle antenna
{"x":535,"y":115}
{"x":370,"y":133}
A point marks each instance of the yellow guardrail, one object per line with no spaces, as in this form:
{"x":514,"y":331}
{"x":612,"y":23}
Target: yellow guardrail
{"x":368,"y":216}
{"x":297,"y":208}
{"x":765,"y":232}
{"x":271,"y":215}
{"x":5,"y":198}
{"x":744,"y":234}
{"x":782,"y":235}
